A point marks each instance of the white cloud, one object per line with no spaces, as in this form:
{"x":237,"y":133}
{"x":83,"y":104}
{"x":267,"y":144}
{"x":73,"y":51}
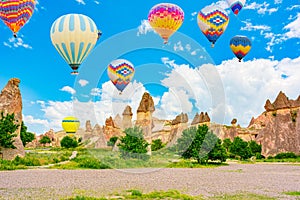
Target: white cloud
{"x":277,"y":1}
{"x":80,"y":2}
{"x":221,"y":4}
{"x":247,"y":86}
{"x":96,"y":92}
{"x":261,"y":8}
{"x":144,"y":28}
{"x":97,"y":2}
{"x":293,"y":7}
{"x":16,"y":42}
{"x":178,"y":46}
{"x":83,"y":82}
{"x":250,"y":27}
{"x":68,"y":89}
{"x":293,"y":28}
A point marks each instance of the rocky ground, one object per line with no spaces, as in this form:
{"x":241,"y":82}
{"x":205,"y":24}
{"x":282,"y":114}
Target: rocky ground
{"x":266,"y":179}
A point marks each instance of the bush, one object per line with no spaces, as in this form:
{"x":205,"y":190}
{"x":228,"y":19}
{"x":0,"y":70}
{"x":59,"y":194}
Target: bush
{"x":90,"y":163}
{"x":286,"y":155}
{"x":45,"y":140}
{"x":112,"y":141}
{"x":156,"y":145}
{"x":7,"y":129}
{"x":69,"y":142}
{"x":240,"y":148}
{"x":133,"y":144}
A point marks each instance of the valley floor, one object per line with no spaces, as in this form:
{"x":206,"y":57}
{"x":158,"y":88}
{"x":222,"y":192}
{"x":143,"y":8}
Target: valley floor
{"x":264,"y":179}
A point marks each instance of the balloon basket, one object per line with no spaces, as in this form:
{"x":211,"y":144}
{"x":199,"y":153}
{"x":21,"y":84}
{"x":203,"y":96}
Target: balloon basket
{"x":74,"y":73}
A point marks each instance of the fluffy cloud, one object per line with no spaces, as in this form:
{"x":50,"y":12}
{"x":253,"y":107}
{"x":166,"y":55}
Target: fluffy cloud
{"x":293,"y":28}
{"x":68,"y":89}
{"x":83,"y":82}
{"x":250,"y":27}
{"x":80,"y":2}
{"x":17,"y":42}
{"x":144,"y":28}
{"x":261,"y":8}
{"x":246,"y":85}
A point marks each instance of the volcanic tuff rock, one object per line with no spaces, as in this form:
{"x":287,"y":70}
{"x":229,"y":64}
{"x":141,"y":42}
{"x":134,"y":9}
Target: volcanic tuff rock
{"x":127,"y":118}
{"x":178,"y":125}
{"x":182,"y":118}
{"x":11,"y":102}
{"x":110,"y":122}
{"x":144,"y":115}
{"x":118,"y":121}
{"x":281,"y":102}
{"x":88,"y":126}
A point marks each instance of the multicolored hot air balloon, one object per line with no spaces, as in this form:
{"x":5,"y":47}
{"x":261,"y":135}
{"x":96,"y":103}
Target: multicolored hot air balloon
{"x":236,"y":5}
{"x":213,"y":21}
{"x":74,"y":36}
{"x":70,"y":124}
{"x":15,"y":13}
{"x":120,"y":72}
{"x":166,"y":19}
{"x":240,"y":46}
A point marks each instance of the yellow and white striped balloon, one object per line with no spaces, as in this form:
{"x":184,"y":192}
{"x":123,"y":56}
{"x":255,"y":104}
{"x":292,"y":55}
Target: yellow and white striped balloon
{"x":74,"y":36}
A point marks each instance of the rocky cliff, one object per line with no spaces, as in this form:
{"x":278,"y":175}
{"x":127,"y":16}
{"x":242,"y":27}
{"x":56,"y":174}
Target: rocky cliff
{"x":11,"y":102}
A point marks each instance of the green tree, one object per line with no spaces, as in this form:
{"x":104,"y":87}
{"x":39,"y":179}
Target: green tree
{"x":200,"y":144}
{"x":69,"y":142}
{"x":226,"y":143}
{"x":25,"y":136}
{"x":45,"y":140}
{"x":7,"y":129}
{"x":112,"y":141}
{"x":240,"y":148}
{"x":133,"y":144}
{"x":255,"y":148}
{"x":156,"y":145}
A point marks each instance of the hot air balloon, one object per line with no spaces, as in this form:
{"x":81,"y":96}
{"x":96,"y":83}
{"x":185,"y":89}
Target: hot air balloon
{"x":74,"y":36}
{"x":240,"y":46}
{"x":70,"y":124}
{"x":120,"y":72}
{"x":213,"y":21}
{"x":15,"y":14}
{"x":236,"y":5}
{"x":165,"y":19}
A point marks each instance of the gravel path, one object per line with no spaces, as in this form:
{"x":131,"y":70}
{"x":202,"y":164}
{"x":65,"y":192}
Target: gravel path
{"x":266,"y":179}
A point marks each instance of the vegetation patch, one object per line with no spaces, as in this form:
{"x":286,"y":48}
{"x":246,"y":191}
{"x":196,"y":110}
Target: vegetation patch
{"x":246,"y":196}
{"x":293,"y":193}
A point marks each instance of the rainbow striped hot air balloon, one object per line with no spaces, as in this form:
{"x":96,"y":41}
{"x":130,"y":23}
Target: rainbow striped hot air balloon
{"x":240,"y":46}
{"x":165,"y":19}
{"x":15,"y":13}
{"x":120,"y":72}
{"x":70,"y":124}
{"x":236,"y":5}
{"x":213,"y":21}
{"x":74,"y":36}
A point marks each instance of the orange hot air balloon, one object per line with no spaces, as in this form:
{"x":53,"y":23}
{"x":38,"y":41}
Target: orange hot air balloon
{"x":166,"y":19}
{"x":15,"y":14}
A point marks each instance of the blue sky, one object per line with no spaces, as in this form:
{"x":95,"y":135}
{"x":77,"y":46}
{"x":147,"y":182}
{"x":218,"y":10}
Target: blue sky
{"x":186,"y":75}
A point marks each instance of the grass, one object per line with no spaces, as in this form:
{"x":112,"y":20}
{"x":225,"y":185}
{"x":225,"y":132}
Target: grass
{"x":172,"y":194}
{"x":293,"y":193}
{"x":246,"y":196}
{"x":137,"y":194}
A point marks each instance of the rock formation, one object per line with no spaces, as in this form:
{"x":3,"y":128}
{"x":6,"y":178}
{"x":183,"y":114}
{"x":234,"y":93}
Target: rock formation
{"x":118,"y":121}
{"x":88,"y":126}
{"x":201,"y":119}
{"x":278,"y":127}
{"x":178,"y":125}
{"x":281,"y":102}
{"x":144,"y":115}
{"x":110,"y":122}
{"x":110,"y":130}
{"x":196,"y":119}
{"x":101,"y":141}
{"x":11,"y":102}
{"x":233,"y":122}
{"x":127,"y":118}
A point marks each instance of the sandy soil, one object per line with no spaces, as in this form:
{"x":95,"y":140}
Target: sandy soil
{"x":267,"y":179}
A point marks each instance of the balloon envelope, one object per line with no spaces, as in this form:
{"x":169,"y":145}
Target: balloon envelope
{"x":15,"y":14}
{"x":212,"y":21}
{"x":165,"y":19}
{"x":74,"y":36}
{"x":236,"y":5}
{"x":120,"y":72}
{"x":240,"y":46}
{"x":70,"y":124}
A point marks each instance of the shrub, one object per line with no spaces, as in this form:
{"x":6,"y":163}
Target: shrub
{"x":133,"y":144}
{"x":45,"y":140}
{"x":156,"y":145}
{"x":286,"y":155}
{"x":112,"y":141}
{"x":69,"y":142}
